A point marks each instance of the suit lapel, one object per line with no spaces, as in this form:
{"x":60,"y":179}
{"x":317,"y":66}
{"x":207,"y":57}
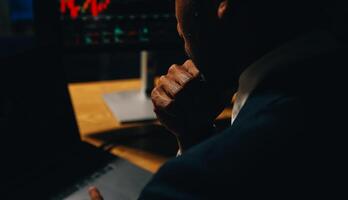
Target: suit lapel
{"x":280,"y":68}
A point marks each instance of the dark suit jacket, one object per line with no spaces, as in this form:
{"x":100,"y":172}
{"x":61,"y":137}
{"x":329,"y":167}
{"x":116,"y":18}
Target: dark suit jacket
{"x":286,"y":141}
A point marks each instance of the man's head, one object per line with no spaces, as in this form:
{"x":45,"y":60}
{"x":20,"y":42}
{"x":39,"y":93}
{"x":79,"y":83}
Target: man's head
{"x":192,"y":15}
{"x":223,"y":37}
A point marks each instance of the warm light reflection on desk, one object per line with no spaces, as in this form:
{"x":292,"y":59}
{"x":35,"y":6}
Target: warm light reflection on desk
{"x":93,"y":117}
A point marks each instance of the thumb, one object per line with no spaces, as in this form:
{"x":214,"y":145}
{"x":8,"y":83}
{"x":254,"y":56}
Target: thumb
{"x":94,"y":193}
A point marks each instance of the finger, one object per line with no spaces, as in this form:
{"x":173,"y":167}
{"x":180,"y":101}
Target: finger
{"x":179,"y":74}
{"x":191,"y":68}
{"x":160,"y":98}
{"x":94,"y":193}
{"x":170,"y":87}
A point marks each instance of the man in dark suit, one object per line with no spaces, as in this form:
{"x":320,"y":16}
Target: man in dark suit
{"x":285,"y":63}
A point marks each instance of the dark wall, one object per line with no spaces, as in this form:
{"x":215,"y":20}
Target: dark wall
{"x":109,"y":65}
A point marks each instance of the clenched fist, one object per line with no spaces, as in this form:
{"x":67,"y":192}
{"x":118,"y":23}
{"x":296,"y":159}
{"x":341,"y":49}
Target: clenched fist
{"x":186,"y":104}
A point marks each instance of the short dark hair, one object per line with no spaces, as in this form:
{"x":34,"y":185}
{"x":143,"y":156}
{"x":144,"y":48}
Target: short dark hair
{"x":303,"y":12}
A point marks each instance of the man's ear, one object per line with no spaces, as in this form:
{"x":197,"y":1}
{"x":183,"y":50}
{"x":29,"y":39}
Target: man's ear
{"x":222,"y":9}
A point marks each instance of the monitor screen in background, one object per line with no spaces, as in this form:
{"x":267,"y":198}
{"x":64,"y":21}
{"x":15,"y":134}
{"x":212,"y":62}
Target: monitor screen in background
{"x":21,"y":16}
{"x":21,"y":10}
{"x":127,"y":23}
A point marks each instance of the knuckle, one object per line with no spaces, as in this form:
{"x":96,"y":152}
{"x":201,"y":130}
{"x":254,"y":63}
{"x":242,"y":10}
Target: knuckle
{"x":155,"y":96}
{"x":196,"y":74}
{"x":166,"y":104}
{"x":172,"y":69}
{"x":154,"y":93}
{"x":162,"y":104}
{"x":188,"y":62}
{"x":162,"y":79}
{"x":158,"y":100}
{"x":191,"y":68}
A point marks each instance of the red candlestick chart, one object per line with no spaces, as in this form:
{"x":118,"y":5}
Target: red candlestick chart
{"x":95,"y":7}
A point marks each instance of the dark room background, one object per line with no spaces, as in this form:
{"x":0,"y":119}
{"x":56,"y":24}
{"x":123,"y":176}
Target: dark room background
{"x":17,"y":35}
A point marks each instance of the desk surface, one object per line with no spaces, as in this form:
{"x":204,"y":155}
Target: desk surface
{"x":94,"y":117}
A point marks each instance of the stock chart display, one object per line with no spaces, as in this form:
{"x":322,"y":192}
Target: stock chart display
{"x":118,"y":22}
{"x":94,"y":7}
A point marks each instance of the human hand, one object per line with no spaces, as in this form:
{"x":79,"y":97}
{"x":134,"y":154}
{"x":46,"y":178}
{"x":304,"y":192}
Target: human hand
{"x":186,"y":104}
{"x":94,"y":193}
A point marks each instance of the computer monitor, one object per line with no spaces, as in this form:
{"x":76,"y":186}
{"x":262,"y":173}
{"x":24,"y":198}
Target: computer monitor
{"x":134,"y":24}
{"x":137,"y":25}
{"x":21,"y":10}
{"x":16,"y":27}
{"x":21,"y":17}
